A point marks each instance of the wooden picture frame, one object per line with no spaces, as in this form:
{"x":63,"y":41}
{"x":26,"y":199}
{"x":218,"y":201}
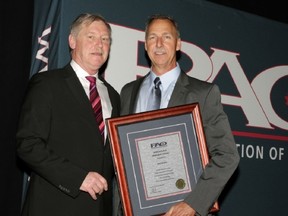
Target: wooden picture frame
{"x":158,"y":157}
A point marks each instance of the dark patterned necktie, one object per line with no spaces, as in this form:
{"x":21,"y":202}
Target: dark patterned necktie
{"x":155,"y":100}
{"x":96,"y":103}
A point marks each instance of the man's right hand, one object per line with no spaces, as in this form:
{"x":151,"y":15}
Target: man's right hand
{"x":94,"y":184}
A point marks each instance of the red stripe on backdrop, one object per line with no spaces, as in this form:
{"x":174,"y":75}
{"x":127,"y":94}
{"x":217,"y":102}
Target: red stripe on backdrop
{"x":261,"y":136}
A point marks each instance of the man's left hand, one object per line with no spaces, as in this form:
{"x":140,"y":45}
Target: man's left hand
{"x":181,"y":209}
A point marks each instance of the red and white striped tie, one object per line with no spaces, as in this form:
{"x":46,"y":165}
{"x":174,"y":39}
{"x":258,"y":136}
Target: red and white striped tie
{"x":96,"y":103}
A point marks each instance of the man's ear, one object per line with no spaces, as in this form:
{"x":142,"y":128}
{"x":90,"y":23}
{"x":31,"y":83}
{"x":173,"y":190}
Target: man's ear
{"x":178,"y":46}
{"x":72,"y":41}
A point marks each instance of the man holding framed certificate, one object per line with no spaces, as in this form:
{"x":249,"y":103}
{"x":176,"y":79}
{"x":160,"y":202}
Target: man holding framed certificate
{"x":162,"y":41}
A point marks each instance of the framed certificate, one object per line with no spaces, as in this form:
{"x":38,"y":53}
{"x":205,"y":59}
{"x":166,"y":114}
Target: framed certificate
{"x":158,"y":156}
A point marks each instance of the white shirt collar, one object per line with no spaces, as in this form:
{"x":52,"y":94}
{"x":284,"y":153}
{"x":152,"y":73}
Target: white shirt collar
{"x":168,"y":77}
{"x":80,"y":72}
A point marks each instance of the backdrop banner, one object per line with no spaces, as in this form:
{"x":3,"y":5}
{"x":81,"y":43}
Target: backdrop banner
{"x":246,"y":55}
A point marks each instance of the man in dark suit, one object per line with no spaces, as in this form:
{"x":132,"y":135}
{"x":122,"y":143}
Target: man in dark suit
{"x":162,"y":41}
{"x":58,"y":136}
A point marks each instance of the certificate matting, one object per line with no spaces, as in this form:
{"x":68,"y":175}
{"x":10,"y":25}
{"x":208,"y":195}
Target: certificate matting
{"x":158,"y":156}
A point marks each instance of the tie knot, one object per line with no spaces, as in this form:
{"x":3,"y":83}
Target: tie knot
{"x":157,"y":82}
{"x":91,"y":79}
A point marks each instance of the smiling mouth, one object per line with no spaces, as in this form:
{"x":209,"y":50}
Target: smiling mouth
{"x":159,"y":52}
{"x":97,"y":54}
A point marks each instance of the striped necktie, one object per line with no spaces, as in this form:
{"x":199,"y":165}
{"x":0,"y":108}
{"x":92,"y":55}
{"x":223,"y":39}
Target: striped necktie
{"x":96,"y":103}
{"x":155,"y":100}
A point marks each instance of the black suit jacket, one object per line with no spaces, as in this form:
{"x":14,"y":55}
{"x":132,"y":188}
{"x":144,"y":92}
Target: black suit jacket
{"x":221,"y":146}
{"x":59,"y":140}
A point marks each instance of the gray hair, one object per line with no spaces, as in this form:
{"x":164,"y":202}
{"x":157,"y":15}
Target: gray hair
{"x":154,"y":17}
{"x":86,"y":19}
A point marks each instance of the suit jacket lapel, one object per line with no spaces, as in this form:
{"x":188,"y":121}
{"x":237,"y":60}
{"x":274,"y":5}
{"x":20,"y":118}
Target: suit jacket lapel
{"x":78,"y":93}
{"x":76,"y":88}
{"x":113,"y":100}
{"x":182,"y":94}
{"x":135,"y":92}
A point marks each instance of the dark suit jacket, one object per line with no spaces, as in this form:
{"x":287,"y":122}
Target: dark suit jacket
{"x":59,"y":140}
{"x":221,"y":146}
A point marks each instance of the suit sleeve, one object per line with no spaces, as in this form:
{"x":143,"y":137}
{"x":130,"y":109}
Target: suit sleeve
{"x":224,"y":157}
